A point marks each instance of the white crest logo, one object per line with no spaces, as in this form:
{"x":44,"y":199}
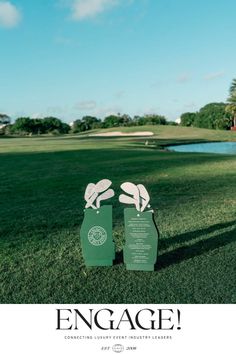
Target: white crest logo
{"x":97,"y":236}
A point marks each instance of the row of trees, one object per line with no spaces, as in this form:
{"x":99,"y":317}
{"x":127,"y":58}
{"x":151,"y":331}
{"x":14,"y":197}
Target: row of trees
{"x":214,"y":115}
{"x":211,"y":116}
{"x":52,"y":125}
{"x":28,"y":126}
{"x":89,"y":122}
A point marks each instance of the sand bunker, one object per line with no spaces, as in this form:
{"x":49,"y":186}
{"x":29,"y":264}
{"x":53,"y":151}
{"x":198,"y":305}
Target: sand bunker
{"x":111,"y":134}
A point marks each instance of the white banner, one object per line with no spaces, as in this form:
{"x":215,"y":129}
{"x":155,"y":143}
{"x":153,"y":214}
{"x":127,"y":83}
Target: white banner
{"x":117,"y":328}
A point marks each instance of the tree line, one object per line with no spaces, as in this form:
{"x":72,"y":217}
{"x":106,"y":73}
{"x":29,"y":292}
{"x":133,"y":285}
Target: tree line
{"x":217,"y":115}
{"x":211,"y":116}
{"x":112,"y":121}
{"x":214,"y":115}
{"x":54,"y":126}
{"x":30,"y":126}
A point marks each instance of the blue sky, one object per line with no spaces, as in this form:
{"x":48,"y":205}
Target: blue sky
{"x":68,"y":58}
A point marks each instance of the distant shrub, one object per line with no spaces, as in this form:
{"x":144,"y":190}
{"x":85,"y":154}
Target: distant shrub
{"x":187,"y":119}
{"x":28,"y":126}
{"x":151,"y":119}
{"x":211,"y":116}
{"x":172,"y":123}
{"x":55,"y":132}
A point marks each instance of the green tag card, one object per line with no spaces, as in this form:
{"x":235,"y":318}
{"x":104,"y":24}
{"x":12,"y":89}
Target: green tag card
{"x":141,"y":240}
{"x":96,"y":231}
{"x":141,"y":234}
{"x":96,"y":237}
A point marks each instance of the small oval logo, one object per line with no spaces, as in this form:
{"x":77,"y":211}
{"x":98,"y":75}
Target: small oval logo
{"x":97,"y":236}
{"x":118,"y":348}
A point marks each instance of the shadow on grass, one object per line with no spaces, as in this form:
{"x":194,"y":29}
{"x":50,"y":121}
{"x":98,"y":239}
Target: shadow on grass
{"x":199,"y":248}
{"x":110,"y":155}
{"x":186,"y":252}
{"x":185,"y":237}
{"x":119,"y":258}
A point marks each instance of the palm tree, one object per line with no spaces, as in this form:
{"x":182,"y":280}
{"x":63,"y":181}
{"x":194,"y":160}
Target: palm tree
{"x":232,"y":89}
{"x":232,"y":101}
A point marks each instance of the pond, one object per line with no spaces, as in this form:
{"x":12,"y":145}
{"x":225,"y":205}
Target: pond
{"x":216,"y":148}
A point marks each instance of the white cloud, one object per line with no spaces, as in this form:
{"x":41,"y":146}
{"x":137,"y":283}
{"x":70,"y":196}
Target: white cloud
{"x":183,"y":78}
{"x":55,"y":110}
{"x":36,"y":115}
{"x":83,"y":9}
{"x":104,"y":111}
{"x":10,"y":16}
{"x":85,"y":105}
{"x":119,"y":94}
{"x":150,"y":110}
{"x":190,"y":105}
{"x":213,"y":76}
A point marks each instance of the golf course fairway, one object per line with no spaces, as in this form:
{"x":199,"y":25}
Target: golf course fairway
{"x":41,"y":210}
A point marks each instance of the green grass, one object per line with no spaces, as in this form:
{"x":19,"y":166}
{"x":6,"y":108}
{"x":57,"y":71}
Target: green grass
{"x":41,"y":210}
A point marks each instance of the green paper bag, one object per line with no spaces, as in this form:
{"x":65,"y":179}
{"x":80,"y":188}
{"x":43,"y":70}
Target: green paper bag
{"x":96,"y":237}
{"x":141,"y":240}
